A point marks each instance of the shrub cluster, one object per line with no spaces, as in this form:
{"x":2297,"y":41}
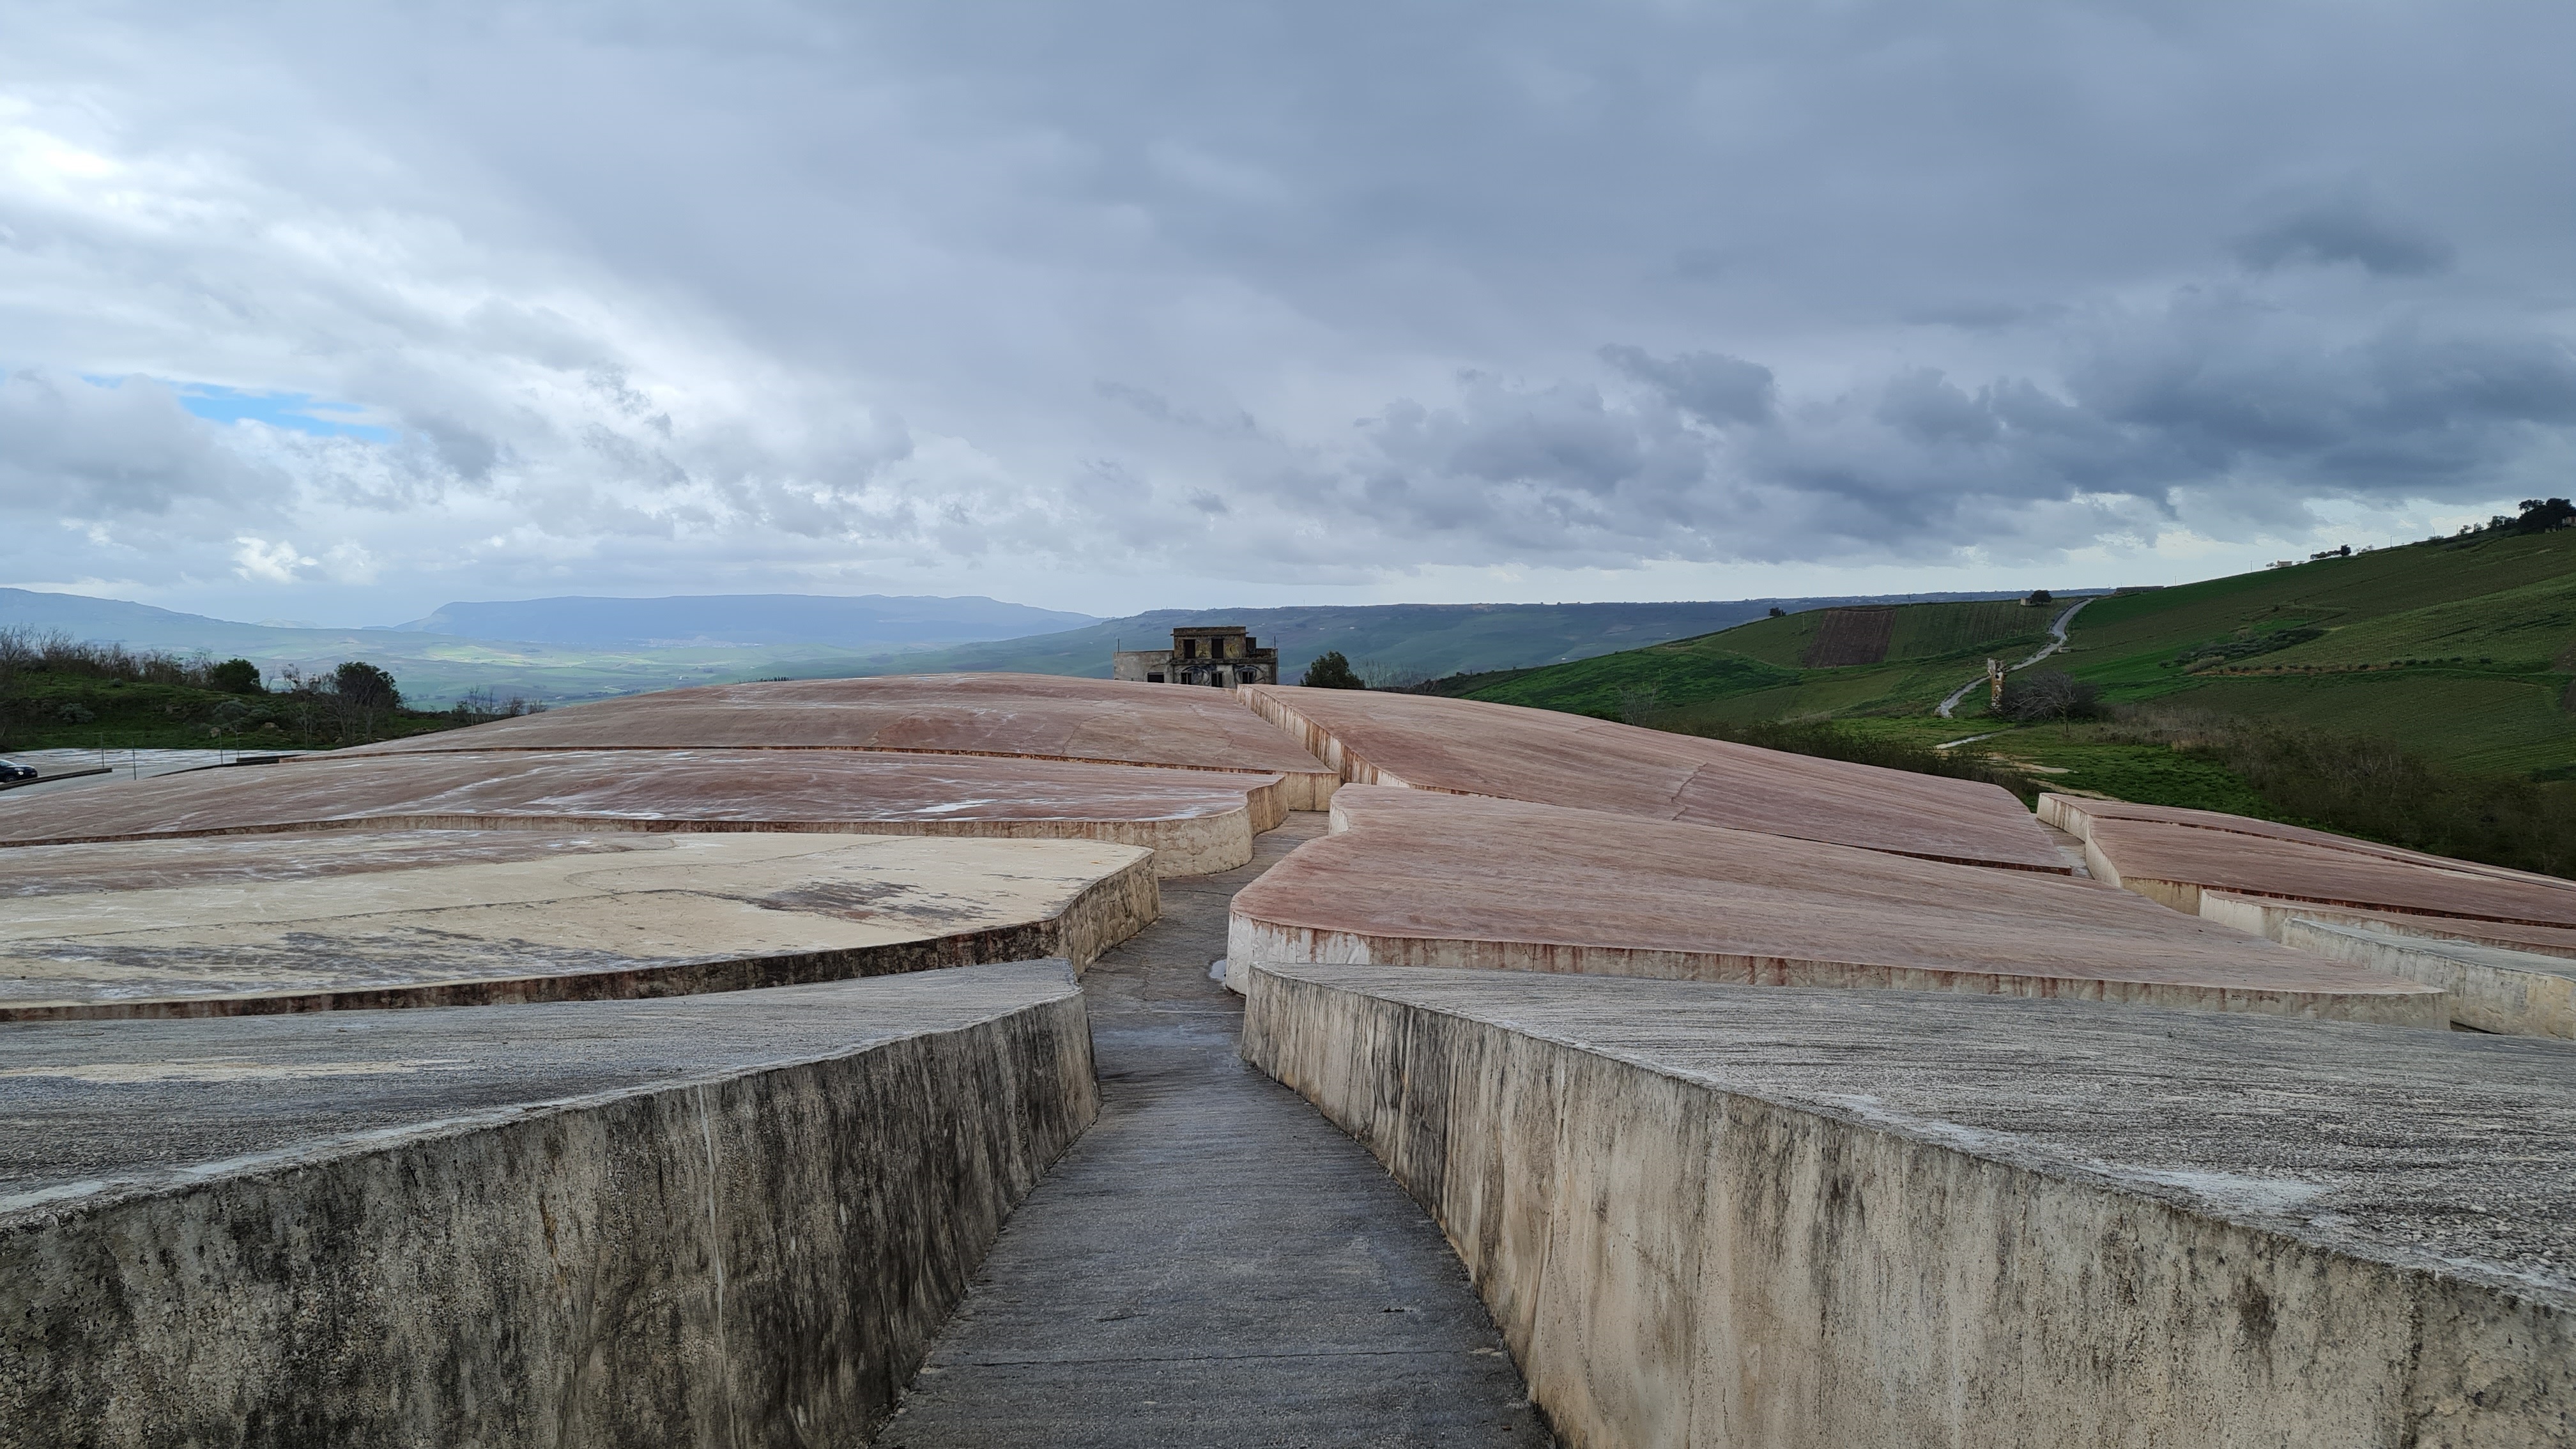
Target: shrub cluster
{"x":1836,"y":742}
{"x":2035,"y":698}
{"x":2244,"y":646}
{"x":2373,"y":788}
{"x":346,"y":704}
{"x":27,"y":651}
{"x":1331,"y":671}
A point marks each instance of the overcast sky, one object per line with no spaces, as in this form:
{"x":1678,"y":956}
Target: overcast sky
{"x":336,"y":312}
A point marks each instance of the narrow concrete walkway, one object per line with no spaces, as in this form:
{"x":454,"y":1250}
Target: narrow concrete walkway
{"x":1214,"y":1263}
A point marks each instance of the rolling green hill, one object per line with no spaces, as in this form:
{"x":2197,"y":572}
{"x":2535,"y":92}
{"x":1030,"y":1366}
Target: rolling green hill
{"x":1762,"y":670}
{"x":1399,"y":641}
{"x":2462,"y":650}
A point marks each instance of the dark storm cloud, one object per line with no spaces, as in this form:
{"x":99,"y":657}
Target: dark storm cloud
{"x":2344,"y":228}
{"x":786,"y":290}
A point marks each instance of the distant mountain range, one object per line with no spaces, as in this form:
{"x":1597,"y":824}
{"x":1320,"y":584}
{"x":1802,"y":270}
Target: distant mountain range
{"x":697,"y":621}
{"x":577,"y":648}
{"x":1392,"y":641}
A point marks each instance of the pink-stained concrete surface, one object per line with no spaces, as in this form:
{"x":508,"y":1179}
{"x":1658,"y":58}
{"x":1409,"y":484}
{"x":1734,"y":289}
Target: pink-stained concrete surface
{"x":352,"y":920}
{"x":1415,"y":878}
{"x":1468,"y":747}
{"x":1028,"y":716}
{"x":1196,"y":821}
{"x":2265,"y":917}
{"x":2075,"y":815}
{"x":2175,"y":864}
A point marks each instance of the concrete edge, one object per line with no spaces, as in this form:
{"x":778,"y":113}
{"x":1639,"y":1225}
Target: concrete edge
{"x":1672,"y":1261}
{"x":614,"y":1270}
{"x":1103,"y":913}
{"x":2389,"y":1001}
{"x":1297,"y":784}
{"x":1192,"y":845}
{"x":2513,"y":993}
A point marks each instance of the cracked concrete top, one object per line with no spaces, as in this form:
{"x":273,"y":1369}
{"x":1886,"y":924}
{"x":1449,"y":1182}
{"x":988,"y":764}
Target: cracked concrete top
{"x":1407,"y":872}
{"x":229,"y":920}
{"x":2452,"y":1152}
{"x":1473,"y":748}
{"x":1032,"y":715}
{"x":590,"y":789}
{"x":98,"y":1109}
{"x":2076,"y":814}
{"x":2147,"y":853}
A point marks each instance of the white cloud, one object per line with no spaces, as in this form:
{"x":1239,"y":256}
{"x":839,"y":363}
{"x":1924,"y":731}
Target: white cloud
{"x":275,"y":562}
{"x":1170,"y":303}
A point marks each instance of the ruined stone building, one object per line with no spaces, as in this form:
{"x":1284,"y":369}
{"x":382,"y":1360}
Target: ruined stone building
{"x":1219,"y":654}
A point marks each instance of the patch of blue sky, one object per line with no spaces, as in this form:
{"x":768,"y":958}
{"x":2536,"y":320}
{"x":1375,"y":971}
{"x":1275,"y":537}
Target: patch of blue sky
{"x":295,"y":411}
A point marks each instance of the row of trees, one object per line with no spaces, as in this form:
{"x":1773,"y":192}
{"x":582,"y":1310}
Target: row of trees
{"x":345,"y":704}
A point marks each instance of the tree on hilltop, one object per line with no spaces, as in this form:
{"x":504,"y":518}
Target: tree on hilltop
{"x":365,"y":693}
{"x":1331,"y":671}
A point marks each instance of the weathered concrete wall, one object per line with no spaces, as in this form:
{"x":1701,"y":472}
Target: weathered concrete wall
{"x":2513,"y":992}
{"x":755,"y":1258}
{"x":1674,"y":1264}
{"x":2261,"y":916}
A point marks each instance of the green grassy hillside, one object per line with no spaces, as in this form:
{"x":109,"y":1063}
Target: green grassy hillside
{"x":1753,"y":672}
{"x":2462,"y":650}
{"x":2459,"y":650}
{"x":2420,"y":695}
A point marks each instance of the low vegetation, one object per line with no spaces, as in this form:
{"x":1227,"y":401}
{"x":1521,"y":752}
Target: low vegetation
{"x":1830,"y":741}
{"x":57,"y":692}
{"x":2373,"y":788}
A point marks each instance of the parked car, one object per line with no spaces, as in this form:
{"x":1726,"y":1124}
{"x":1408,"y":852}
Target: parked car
{"x":12,"y":770}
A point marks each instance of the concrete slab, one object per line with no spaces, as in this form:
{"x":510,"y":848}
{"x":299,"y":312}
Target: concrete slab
{"x":2518,"y":993}
{"x":1420,"y":879}
{"x":347,"y":920}
{"x":2075,"y":815}
{"x":1472,"y":748}
{"x":1714,"y":1214}
{"x":1195,"y":821}
{"x":1031,"y":716}
{"x":715,"y":1219}
{"x":2257,"y":916}
{"x":2174,"y":864}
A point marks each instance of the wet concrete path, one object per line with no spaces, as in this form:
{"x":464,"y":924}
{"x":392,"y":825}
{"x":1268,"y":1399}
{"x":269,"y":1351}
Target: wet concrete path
{"x":1214,"y":1263}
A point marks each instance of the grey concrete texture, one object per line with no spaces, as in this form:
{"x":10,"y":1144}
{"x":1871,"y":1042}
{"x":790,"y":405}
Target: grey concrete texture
{"x":1213,"y":1264}
{"x":2517,"y":993}
{"x":1029,"y":716}
{"x":1470,"y":747}
{"x":348,"y":921}
{"x":1417,"y":878}
{"x":734,"y":1219}
{"x":1195,"y":821}
{"x":1734,"y":1215}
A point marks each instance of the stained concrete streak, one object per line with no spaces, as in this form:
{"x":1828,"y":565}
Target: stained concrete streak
{"x":1213,"y":1263}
